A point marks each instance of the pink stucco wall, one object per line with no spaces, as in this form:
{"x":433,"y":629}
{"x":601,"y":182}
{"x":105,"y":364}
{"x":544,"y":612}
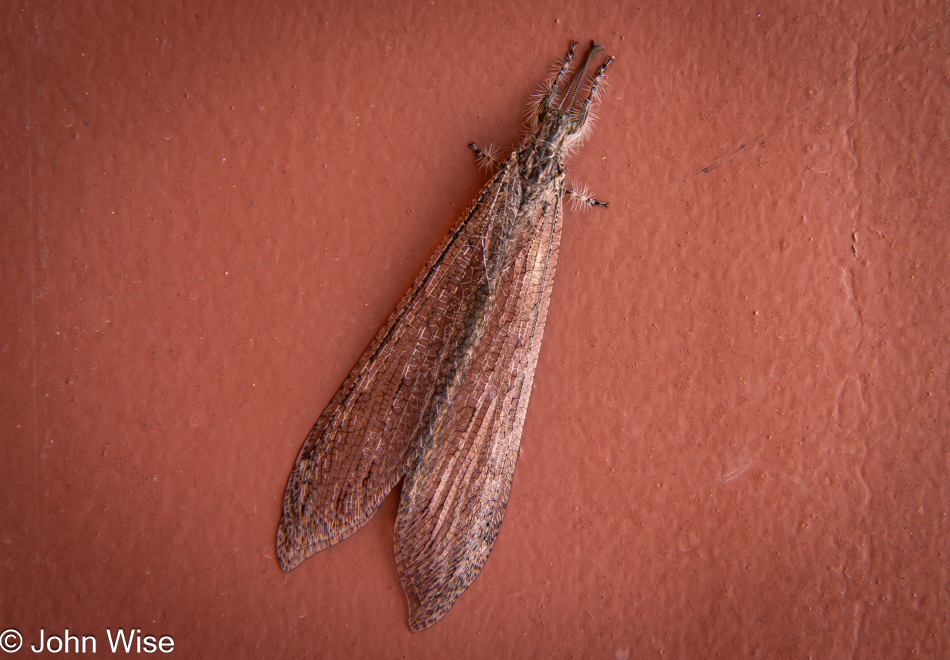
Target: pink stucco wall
{"x":738,"y":438}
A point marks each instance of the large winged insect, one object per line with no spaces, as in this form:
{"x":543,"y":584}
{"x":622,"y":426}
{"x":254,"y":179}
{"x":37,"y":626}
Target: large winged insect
{"x":439,"y":398}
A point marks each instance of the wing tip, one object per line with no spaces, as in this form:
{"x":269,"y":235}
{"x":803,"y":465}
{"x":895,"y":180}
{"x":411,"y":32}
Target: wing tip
{"x":294,"y":544}
{"x":421,"y":618}
{"x":421,"y":621}
{"x":428,"y":606}
{"x":289,"y":555}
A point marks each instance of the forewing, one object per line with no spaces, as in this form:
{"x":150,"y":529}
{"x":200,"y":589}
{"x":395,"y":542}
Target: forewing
{"x":454,"y":499}
{"x":359,"y":447}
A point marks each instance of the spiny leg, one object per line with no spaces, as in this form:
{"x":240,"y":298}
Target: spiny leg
{"x":595,"y":83}
{"x":597,"y":77}
{"x":486,"y":157}
{"x":548,"y":101}
{"x":579,"y":77}
{"x":583,"y":199}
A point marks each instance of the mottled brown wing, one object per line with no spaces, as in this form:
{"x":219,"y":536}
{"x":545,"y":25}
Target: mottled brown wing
{"x":454,"y":499}
{"x":360,"y":446}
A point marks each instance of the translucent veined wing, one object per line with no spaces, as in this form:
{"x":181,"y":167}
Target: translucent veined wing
{"x":453,"y":500}
{"x":371,"y":430}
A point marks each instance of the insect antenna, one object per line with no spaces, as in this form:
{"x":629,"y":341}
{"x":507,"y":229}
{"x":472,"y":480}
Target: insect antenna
{"x":579,"y":77}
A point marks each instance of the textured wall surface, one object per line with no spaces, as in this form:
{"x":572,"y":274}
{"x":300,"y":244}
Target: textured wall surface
{"x":739,"y":437}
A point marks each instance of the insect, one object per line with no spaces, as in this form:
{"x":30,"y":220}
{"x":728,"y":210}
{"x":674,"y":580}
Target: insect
{"x":439,"y":397}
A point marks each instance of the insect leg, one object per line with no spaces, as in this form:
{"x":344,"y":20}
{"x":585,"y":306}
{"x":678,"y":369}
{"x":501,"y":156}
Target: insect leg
{"x":594,"y":85}
{"x":583,"y":199}
{"x":583,"y":113}
{"x":548,"y":100}
{"x":486,"y":158}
